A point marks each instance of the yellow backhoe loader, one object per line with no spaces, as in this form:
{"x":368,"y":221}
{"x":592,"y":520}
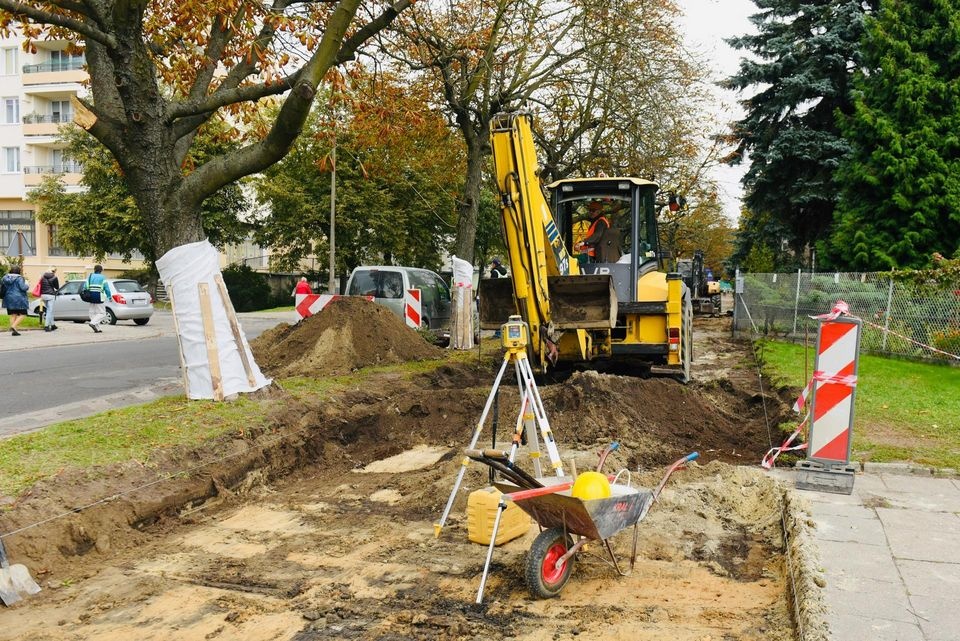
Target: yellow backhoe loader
{"x":605,"y":302}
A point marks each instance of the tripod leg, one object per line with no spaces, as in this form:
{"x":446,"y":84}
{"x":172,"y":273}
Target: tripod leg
{"x":541,"y":416}
{"x":473,"y":444}
{"x":525,"y":423}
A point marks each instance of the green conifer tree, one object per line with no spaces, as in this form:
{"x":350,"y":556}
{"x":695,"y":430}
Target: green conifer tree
{"x":900,"y":201}
{"x":803,"y":59}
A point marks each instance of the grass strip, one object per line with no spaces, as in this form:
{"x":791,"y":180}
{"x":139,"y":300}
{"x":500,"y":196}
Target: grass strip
{"x":904,"y":410}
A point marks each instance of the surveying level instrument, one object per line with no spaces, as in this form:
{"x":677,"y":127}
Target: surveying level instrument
{"x":514,"y":336}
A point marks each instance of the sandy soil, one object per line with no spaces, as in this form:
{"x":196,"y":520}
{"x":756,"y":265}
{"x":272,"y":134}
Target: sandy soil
{"x":321,"y":527}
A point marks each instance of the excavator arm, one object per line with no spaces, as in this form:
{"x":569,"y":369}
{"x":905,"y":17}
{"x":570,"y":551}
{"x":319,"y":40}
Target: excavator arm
{"x":546,"y":286}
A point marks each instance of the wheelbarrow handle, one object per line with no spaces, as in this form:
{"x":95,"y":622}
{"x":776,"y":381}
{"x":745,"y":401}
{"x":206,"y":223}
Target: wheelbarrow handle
{"x":692,"y":456}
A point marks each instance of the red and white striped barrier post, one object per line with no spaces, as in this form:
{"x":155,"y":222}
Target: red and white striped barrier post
{"x":411,"y":308}
{"x":307,"y":305}
{"x":832,"y":392}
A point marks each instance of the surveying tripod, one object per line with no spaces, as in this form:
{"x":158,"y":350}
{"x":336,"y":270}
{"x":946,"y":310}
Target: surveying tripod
{"x":514,"y":338}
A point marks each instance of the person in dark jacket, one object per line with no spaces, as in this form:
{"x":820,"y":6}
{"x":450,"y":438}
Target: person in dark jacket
{"x":14,"y":287}
{"x":49,"y":284}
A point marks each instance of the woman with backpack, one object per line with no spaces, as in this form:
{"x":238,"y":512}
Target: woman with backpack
{"x":13,"y":291}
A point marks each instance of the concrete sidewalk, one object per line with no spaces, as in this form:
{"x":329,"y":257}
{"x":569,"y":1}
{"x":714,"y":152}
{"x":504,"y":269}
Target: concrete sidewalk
{"x":70,"y":333}
{"x":890,"y":553}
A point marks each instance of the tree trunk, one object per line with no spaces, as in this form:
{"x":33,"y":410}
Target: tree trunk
{"x":478,"y":147}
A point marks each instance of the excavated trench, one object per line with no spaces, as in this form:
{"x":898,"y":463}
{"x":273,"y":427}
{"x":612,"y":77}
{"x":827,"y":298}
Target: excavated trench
{"x":320,"y":526}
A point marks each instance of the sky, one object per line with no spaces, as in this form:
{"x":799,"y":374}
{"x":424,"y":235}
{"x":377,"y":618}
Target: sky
{"x":705,"y":24}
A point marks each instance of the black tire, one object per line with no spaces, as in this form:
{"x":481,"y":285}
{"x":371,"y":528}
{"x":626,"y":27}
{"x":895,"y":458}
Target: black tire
{"x":141,"y":321}
{"x":111,"y":317}
{"x":544,"y":580}
{"x":686,"y":331}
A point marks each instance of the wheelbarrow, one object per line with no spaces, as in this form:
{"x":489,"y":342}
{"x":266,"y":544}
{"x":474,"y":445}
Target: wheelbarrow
{"x":567,"y":523}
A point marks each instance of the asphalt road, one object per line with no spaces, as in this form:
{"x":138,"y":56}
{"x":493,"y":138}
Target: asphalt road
{"x":44,"y":382}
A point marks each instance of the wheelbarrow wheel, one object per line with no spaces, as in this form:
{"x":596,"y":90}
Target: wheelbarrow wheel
{"x":544,"y":578}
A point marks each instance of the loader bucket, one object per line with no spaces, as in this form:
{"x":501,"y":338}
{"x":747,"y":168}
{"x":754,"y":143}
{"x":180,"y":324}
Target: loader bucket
{"x":583,"y":302}
{"x":496,"y":304}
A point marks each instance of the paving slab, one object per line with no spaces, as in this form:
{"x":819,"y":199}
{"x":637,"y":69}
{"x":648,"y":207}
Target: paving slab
{"x":841,"y":558}
{"x":920,"y":535}
{"x":868,"y":598}
{"x":867,"y":531}
{"x":926,"y":578}
{"x":849,"y":627}
{"x":938,"y":616}
{"x":849,"y":510}
{"x":924,"y":493}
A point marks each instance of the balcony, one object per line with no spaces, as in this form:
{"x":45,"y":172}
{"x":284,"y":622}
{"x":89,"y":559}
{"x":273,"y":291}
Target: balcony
{"x":54,"y":73}
{"x":44,"y":125}
{"x":70,"y":172}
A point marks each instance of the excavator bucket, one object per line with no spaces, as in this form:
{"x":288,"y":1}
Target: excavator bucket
{"x":576,"y":302}
{"x":583,"y":302}
{"x":496,"y":304}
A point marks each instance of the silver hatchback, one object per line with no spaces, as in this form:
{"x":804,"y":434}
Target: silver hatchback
{"x":128,"y":301}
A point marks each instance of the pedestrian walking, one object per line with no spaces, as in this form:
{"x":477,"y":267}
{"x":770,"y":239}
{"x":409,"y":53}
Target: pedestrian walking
{"x":49,"y":284}
{"x":13,"y":292}
{"x":98,"y":291}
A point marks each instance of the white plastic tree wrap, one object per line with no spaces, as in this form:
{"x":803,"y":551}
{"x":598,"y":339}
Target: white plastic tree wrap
{"x":215,"y":356}
{"x":461,"y":322}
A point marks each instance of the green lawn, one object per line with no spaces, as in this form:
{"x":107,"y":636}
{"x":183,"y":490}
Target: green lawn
{"x":126,"y":434}
{"x":904,"y":411}
{"x":136,"y":433}
{"x":26,"y":323}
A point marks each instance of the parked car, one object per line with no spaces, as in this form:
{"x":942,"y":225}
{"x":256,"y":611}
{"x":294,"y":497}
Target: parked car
{"x":387,"y":284}
{"x":128,"y":301}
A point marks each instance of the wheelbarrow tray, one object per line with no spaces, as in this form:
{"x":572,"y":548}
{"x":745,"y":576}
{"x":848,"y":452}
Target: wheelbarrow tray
{"x":596,"y":519}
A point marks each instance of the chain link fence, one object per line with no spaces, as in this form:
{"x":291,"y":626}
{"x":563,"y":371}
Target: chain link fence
{"x":900,"y":319}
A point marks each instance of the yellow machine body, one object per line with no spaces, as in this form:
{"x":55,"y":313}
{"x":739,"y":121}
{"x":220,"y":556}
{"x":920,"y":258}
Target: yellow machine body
{"x":577,"y":309}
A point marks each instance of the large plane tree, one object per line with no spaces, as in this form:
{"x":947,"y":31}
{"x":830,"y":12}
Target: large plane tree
{"x":160,"y":69}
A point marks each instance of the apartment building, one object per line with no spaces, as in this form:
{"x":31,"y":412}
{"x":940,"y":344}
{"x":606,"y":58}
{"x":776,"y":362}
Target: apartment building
{"x":35,"y":93}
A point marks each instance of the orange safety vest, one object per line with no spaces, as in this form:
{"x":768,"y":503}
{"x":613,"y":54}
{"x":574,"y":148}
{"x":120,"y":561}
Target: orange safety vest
{"x":592,"y":249}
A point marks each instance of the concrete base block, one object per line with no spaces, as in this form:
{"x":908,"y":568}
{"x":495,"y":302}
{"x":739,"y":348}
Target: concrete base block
{"x":815,"y":476}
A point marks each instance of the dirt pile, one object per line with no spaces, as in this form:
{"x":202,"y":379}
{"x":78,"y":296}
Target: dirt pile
{"x":348,"y":334}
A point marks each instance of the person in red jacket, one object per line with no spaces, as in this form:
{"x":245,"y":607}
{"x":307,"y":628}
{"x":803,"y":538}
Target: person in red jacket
{"x":303,"y":287}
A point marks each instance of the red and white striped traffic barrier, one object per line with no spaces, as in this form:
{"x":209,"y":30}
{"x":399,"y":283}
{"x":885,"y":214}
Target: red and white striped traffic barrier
{"x":830,"y":395}
{"x":412,"y":308}
{"x":309,"y":304}
{"x":833,"y":390}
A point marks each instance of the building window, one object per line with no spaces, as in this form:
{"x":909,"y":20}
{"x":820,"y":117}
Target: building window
{"x":10,"y":157}
{"x":53,"y":242}
{"x":8,"y":61}
{"x":61,"y":111}
{"x":62,"y":61}
{"x":11,"y":111}
{"x":13,"y":221}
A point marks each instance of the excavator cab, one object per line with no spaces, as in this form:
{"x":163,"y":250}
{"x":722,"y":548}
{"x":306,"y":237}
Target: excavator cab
{"x":628,"y":207}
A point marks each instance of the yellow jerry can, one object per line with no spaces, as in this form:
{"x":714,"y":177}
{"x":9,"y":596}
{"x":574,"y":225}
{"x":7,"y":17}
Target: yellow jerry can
{"x":482,"y":513}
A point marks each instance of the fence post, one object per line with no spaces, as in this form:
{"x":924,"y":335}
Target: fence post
{"x":736,"y":286}
{"x":796,"y":304}
{"x":886,"y":320}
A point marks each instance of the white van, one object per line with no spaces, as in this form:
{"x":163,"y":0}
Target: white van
{"x":387,"y":284}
